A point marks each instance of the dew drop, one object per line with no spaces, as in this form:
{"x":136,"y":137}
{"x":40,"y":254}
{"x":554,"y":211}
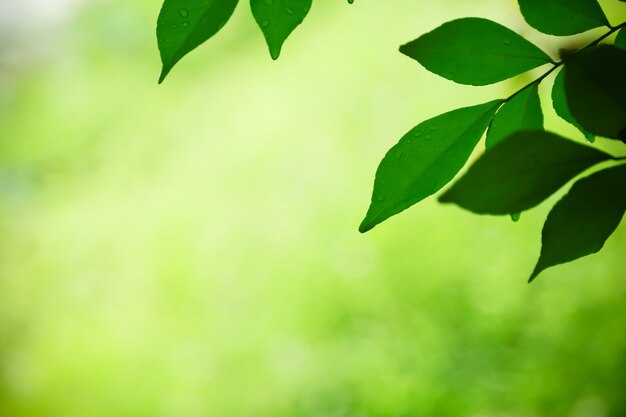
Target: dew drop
{"x":184,"y":13}
{"x":380,"y":198}
{"x":185,"y":24}
{"x":289,"y":10}
{"x":265,"y":23}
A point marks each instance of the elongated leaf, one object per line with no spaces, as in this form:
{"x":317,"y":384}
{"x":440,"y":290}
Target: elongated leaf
{"x":620,"y":40}
{"x":559,"y":103}
{"x":185,"y":24}
{"x":277,"y":19}
{"x":583,"y":220}
{"x":563,"y":17}
{"x":425,"y":159}
{"x":520,"y":172}
{"x":595,"y":86}
{"x":522,"y":112}
{"x":475,"y":51}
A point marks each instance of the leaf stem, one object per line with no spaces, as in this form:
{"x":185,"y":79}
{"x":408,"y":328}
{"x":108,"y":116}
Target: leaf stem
{"x":555,"y":65}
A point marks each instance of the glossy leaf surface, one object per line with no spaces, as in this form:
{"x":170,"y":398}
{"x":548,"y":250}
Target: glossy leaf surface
{"x":522,"y":112}
{"x":559,"y":103}
{"x":426,"y":159}
{"x":581,"y":222}
{"x":595,"y":86}
{"x":563,"y":17}
{"x":277,"y":19}
{"x":475,"y":51}
{"x":520,"y":172}
{"x":185,"y":24}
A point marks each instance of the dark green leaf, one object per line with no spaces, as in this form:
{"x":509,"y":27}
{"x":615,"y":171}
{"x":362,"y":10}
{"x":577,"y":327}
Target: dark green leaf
{"x":522,"y":112}
{"x":620,"y":40}
{"x":520,"y":172}
{"x":277,"y":19}
{"x":185,"y":24}
{"x":475,"y":51}
{"x":583,"y":220}
{"x":426,"y":159}
{"x":563,"y":17}
{"x":595,"y":85}
{"x":559,"y":102}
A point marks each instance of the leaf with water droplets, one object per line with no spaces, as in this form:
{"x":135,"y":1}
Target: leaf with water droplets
{"x":522,"y":112}
{"x":563,"y":17}
{"x":520,"y":172}
{"x":559,"y":103}
{"x":426,"y":159}
{"x":183,"y":25}
{"x":583,"y":220}
{"x":277,"y":19}
{"x":475,"y":51}
{"x":595,"y":86}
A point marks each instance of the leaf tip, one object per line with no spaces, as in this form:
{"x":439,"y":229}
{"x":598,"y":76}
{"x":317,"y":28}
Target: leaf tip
{"x":275,"y":53}
{"x":538,"y":269}
{"x":166,"y":70}
{"x":365,"y":226}
{"x":404,"y":49}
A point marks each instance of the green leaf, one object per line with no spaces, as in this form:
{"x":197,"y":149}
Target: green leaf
{"x":563,"y":17}
{"x":475,"y":51}
{"x":620,"y":40}
{"x":522,"y":112}
{"x":185,"y":24}
{"x":559,"y":103}
{"x":426,"y":159}
{"x":595,"y":85}
{"x":277,"y":19}
{"x":583,"y":220}
{"x":520,"y":172}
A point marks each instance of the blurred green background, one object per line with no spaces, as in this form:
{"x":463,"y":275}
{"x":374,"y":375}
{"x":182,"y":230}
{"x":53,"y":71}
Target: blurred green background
{"x":191,"y":249}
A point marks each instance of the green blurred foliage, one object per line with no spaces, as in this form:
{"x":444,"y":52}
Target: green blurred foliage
{"x":191,"y":249}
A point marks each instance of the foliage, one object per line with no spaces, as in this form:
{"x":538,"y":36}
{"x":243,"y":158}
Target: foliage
{"x":185,"y":24}
{"x":523,"y":164}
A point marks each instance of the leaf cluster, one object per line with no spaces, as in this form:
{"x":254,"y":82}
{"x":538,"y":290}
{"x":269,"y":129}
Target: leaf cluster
{"x":523,"y":164}
{"x":183,"y":25}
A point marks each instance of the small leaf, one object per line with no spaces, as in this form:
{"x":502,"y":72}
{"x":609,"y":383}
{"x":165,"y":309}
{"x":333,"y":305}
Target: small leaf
{"x":522,"y":112}
{"x":559,"y":103}
{"x":278,"y":18}
{"x":583,"y":220}
{"x":563,"y":17}
{"x":185,"y":24}
{"x":620,"y":40}
{"x":426,"y":159}
{"x":475,"y":51}
{"x":595,"y":86}
{"x":520,"y":172}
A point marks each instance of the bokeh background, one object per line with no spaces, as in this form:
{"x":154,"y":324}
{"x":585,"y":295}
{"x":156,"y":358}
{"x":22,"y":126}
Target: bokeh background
{"x":191,"y":249}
